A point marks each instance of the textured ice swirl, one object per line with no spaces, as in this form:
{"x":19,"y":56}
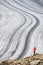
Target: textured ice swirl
{"x":21,"y":28}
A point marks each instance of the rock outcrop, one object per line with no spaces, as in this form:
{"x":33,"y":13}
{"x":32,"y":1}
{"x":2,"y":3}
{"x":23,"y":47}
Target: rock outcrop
{"x":32,"y":60}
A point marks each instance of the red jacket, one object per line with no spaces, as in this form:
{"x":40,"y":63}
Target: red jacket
{"x":34,"y":50}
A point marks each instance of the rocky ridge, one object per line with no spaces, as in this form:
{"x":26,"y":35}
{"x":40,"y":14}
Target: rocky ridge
{"x":32,"y":60}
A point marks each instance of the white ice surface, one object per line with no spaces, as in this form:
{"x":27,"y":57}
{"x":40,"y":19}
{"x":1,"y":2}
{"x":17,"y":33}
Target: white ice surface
{"x":21,"y":28}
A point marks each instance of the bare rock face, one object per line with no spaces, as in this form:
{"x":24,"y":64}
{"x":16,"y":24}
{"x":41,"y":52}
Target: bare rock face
{"x":32,"y":60}
{"x":35,"y":62}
